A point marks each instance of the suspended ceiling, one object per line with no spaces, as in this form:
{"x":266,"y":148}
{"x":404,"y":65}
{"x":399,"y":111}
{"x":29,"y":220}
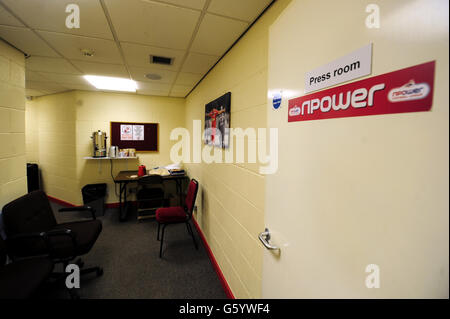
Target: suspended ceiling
{"x":123,"y":34}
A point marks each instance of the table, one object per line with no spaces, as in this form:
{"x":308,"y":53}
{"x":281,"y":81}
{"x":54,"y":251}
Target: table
{"x":125,"y":177}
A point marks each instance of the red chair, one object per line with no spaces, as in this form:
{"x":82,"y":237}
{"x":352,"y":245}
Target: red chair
{"x":176,"y":215}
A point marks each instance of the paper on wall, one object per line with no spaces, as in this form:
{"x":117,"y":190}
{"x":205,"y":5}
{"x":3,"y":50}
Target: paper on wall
{"x":126,"y":132}
{"x":138,"y":132}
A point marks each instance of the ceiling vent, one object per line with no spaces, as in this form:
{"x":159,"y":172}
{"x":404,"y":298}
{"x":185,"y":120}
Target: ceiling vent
{"x":161,"y":60}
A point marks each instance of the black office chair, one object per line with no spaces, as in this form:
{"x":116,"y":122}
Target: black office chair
{"x":150,"y":195}
{"x":21,"y":279}
{"x":31,"y":216}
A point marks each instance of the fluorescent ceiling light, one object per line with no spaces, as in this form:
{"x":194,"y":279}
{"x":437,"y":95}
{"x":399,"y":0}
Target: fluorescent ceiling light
{"x":111,"y":84}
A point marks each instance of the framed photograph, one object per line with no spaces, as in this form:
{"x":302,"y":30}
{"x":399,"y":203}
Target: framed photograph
{"x":217,"y":121}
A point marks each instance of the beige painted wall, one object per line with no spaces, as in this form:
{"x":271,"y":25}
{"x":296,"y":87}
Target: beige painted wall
{"x":52,"y":146}
{"x":31,"y":132}
{"x":65,"y":123}
{"x":13,"y":181}
{"x":96,"y":110}
{"x":231,"y":200}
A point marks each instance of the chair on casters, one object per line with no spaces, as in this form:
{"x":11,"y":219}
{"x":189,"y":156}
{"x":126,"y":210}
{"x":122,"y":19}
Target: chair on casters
{"x":31,"y":215}
{"x":176,"y":215}
{"x":150,"y":195}
{"x":21,"y":279}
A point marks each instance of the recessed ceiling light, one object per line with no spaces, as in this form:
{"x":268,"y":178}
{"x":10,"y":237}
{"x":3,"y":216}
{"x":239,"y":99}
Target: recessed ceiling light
{"x":111,"y":84}
{"x":153,"y":76}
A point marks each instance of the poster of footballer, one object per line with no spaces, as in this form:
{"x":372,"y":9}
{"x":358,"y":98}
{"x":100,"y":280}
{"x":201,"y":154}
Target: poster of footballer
{"x":217,"y":121}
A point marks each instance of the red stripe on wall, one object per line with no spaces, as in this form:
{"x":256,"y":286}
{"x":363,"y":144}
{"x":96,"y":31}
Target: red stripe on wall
{"x":214,"y":263}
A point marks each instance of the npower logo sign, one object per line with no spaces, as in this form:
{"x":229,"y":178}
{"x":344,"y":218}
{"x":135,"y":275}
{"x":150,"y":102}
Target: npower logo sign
{"x":402,"y":91}
{"x":408,"y":92}
{"x":295,"y":111}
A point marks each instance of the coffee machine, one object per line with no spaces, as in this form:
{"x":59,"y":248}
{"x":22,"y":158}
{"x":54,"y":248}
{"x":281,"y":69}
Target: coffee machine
{"x":99,"y":144}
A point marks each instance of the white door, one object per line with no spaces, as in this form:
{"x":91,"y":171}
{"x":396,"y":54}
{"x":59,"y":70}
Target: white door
{"x":352,"y":192}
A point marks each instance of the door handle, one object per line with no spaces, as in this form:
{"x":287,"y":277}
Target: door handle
{"x":264,"y":237}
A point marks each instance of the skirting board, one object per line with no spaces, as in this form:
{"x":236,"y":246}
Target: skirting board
{"x":60,"y":202}
{"x":214,"y":263}
{"x":67,"y":204}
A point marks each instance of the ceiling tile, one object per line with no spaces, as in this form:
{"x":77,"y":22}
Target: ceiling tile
{"x":45,"y":64}
{"x":194,"y":4}
{"x":50,"y":15}
{"x":70,"y":46}
{"x":188,"y":79}
{"x":93,"y":68}
{"x":83,"y":87}
{"x":198,"y":63}
{"x":153,"y":88}
{"x":247,"y":10}
{"x":217,"y":34}
{"x":46,"y":86}
{"x":139,"y":55}
{"x":180,"y":90}
{"x":64,"y":79}
{"x":153,"y":93}
{"x":34,"y":76}
{"x":138,"y":74}
{"x":27,"y":41}
{"x":7,"y":19}
{"x":152,"y":23}
{"x":177,"y":94}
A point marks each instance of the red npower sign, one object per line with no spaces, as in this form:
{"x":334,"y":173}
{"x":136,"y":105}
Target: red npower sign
{"x":405,"y":90}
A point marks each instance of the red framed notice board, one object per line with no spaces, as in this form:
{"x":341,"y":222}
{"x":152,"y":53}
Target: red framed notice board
{"x":141,"y":136}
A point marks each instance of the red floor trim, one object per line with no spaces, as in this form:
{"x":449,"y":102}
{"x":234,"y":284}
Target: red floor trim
{"x":214,"y":263}
{"x":60,"y":202}
{"x":112,"y":205}
{"x":67,"y":204}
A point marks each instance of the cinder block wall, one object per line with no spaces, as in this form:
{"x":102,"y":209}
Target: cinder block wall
{"x":13,"y":180}
{"x":231,"y":199}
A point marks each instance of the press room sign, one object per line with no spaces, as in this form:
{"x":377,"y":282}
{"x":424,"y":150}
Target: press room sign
{"x":352,"y":66}
{"x":406,"y":90}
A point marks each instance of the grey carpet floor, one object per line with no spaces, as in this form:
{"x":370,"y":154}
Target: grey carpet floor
{"x":128,"y":252}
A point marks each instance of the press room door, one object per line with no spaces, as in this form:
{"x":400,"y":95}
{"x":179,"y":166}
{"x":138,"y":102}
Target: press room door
{"x":352,"y":192}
